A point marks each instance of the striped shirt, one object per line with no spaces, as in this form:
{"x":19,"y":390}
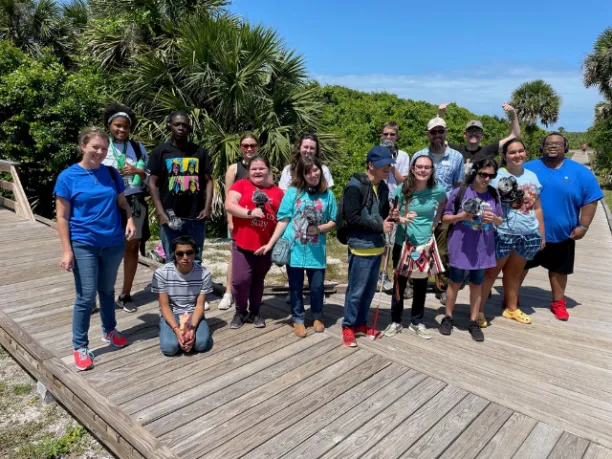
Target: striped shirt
{"x":449,"y":170}
{"x":182,"y":289}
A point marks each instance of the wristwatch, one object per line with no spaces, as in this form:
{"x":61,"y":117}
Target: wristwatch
{"x":249,"y":212}
{"x":586,"y":228}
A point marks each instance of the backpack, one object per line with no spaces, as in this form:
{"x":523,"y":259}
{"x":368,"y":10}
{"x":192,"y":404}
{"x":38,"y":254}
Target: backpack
{"x":342,"y":228}
{"x":463,"y":188}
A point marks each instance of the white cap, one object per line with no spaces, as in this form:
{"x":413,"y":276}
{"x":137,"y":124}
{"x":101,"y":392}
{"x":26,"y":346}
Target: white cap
{"x":437,"y":121}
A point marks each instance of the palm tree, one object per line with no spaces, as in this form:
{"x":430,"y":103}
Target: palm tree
{"x":598,"y":65}
{"x":536,"y":100}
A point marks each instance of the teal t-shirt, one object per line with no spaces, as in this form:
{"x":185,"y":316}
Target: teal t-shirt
{"x":307,"y":212}
{"x":424,"y":203}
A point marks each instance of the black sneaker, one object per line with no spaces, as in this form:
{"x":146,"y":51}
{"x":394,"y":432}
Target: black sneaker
{"x":475,"y":331}
{"x":258,"y":321}
{"x":238,"y":320}
{"x":125,"y":302}
{"x":446,"y":327}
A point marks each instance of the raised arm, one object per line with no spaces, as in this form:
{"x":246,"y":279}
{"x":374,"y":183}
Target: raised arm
{"x":515,"y":127}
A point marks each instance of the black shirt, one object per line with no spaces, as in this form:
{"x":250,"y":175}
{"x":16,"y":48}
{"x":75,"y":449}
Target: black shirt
{"x":182,"y":177}
{"x":241,"y":171}
{"x":482,"y":152}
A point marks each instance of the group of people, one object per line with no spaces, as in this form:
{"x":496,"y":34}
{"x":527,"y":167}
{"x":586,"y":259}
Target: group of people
{"x":450,"y":212}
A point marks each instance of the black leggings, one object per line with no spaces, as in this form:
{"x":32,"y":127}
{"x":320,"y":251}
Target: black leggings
{"x":419,"y":287}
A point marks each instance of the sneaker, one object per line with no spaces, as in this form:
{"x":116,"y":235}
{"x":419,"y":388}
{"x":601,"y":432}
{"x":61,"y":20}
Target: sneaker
{"x":387,"y":284}
{"x":238,"y":320}
{"x":206,"y":306}
{"x":299,"y":330}
{"x":318,"y":326}
{"x":258,"y":321}
{"x":368,"y":331}
{"x":392,"y":329}
{"x":115,"y":338}
{"x":517,"y":315}
{"x":348,"y":337}
{"x":125,"y":302}
{"x":83,"y":359}
{"x":559,"y":309}
{"x":420,"y":330}
{"x":324,"y":299}
{"x":482,"y":320}
{"x":226,"y":302}
{"x":475,"y":331}
{"x":442,"y":297}
{"x":446,"y":327}
{"x":408,"y":293}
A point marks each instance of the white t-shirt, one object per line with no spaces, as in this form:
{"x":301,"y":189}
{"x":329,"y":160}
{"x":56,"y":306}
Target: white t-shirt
{"x":402,"y":164}
{"x":131,"y":159}
{"x":285,"y":180}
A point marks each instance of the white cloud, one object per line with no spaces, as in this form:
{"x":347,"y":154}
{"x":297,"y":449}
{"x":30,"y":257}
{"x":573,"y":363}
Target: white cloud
{"x":481,"y":90}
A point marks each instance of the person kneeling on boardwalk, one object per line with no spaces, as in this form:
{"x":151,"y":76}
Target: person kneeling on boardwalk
{"x":472,"y":211}
{"x":182,"y":287}
{"x":307,"y":212}
{"x":365,"y":209}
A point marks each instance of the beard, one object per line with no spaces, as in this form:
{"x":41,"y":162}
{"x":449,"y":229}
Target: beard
{"x":437,"y":145}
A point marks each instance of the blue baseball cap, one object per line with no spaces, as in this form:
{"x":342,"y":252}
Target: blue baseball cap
{"x":380,"y":156}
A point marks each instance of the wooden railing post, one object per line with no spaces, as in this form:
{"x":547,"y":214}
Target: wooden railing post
{"x":20,"y":205}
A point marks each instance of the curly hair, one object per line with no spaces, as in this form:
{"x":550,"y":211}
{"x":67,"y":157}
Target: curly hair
{"x":115,"y":108}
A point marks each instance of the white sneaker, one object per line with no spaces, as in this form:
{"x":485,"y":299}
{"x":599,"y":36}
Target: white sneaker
{"x":393,"y":329}
{"x":420,"y":330}
{"x":226,"y":302}
{"x":206,"y":306}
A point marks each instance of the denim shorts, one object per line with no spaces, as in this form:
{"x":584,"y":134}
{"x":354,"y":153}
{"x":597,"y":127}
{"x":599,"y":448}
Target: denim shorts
{"x":526,"y":246}
{"x":475,"y":276}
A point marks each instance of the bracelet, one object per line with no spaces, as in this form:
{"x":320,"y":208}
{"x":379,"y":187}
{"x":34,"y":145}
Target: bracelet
{"x":175,"y":327}
{"x":586,"y":228}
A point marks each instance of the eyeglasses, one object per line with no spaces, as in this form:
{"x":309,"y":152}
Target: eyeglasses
{"x":389,"y":134}
{"x":423,"y":168}
{"x":437,"y":131}
{"x":484,"y":175}
{"x":553,"y":144}
{"x":249,"y":146}
{"x":474,"y":131}
{"x":181,"y":254}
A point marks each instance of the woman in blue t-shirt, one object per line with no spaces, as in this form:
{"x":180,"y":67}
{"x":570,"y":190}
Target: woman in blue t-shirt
{"x":521,"y":234}
{"x":307,"y":212}
{"x":421,"y":202}
{"x":88,"y":197}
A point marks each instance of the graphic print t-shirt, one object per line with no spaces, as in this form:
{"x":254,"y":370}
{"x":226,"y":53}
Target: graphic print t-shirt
{"x":307,"y":212}
{"x":253,"y":233}
{"x":519,"y":216}
{"x":182,"y":178}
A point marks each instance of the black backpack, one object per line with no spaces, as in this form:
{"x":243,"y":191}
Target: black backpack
{"x":342,"y":228}
{"x":463,"y":188}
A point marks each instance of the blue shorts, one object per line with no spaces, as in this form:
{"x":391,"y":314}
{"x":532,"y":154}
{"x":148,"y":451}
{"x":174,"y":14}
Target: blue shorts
{"x":526,"y":246}
{"x":475,"y":276}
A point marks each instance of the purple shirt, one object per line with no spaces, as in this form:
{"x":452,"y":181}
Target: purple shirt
{"x":471,"y":245}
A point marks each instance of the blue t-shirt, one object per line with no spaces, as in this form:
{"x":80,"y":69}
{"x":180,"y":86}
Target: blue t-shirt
{"x":306,"y":212}
{"x":449,"y":170}
{"x":519,"y":216}
{"x":425,"y":203}
{"x":564,"y":192}
{"x":94,"y":218}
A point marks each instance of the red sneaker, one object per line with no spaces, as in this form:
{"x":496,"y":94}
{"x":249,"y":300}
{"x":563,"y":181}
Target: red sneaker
{"x":115,"y":338}
{"x":348,"y":337}
{"x":83,"y":359}
{"x":368,"y":331}
{"x":559,"y":309}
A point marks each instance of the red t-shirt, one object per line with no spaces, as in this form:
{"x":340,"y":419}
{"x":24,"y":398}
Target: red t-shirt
{"x":251,"y":234}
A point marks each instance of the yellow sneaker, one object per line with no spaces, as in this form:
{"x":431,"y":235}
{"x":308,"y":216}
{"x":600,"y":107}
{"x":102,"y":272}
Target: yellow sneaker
{"x":482,"y":321}
{"x":517,"y":315}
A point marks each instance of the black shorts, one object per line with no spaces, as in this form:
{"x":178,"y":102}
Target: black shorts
{"x":396,"y":254}
{"x":557,"y":257}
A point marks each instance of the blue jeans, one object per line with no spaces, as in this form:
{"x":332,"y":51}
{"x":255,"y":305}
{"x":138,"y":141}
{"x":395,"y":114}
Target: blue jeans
{"x":194,"y":228}
{"x":316,"y":277}
{"x":362,"y":281}
{"x":95,"y":270}
{"x":458,"y":276}
{"x":169,"y":342}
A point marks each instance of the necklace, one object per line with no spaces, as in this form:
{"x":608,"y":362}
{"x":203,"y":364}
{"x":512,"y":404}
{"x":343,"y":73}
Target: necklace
{"x":94,"y":176}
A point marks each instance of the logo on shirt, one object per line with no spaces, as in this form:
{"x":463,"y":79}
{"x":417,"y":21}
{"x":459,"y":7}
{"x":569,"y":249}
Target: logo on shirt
{"x":183,"y":175}
{"x":308,"y":216}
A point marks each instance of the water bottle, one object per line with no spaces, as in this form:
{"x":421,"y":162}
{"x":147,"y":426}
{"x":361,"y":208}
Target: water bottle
{"x":137,"y":180}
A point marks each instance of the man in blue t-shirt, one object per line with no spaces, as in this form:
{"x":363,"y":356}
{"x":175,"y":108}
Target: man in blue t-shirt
{"x":569,"y":200}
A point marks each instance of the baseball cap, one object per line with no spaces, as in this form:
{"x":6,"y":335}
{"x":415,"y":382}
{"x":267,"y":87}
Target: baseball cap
{"x":474,"y":123}
{"x":437,"y":121}
{"x":380,"y":156}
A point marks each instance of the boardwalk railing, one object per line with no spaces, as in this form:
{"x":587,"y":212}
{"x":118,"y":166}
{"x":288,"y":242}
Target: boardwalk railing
{"x":20,"y":205}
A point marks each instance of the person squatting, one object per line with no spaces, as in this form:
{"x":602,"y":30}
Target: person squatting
{"x":453,"y":214}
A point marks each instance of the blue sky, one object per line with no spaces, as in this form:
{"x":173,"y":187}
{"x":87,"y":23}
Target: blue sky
{"x":472,"y":53}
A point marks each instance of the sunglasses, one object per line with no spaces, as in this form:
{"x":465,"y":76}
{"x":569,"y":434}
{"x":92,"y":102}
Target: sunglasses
{"x":249,"y":146}
{"x":389,"y":134}
{"x":181,"y":254}
{"x":484,"y":175}
{"x":437,"y":131}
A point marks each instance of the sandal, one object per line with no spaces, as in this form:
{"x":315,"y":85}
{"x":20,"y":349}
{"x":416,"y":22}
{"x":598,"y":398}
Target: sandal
{"x":517,"y":315}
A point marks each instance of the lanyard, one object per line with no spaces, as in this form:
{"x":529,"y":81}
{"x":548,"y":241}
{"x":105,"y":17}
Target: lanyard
{"x":120,"y":159}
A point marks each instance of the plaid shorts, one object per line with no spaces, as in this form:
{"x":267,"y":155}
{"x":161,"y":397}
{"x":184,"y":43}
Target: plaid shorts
{"x":525,"y":245}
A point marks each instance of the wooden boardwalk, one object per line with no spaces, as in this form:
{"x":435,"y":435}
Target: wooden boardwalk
{"x":538,"y":391}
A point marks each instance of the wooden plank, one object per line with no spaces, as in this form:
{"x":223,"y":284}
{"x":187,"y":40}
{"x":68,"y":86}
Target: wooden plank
{"x":23,"y":209}
{"x":9,"y":186}
{"x":539,"y":443}
{"x":220,"y":445}
{"x":385,"y":388}
{"x":5,"y":165}
{"x":509,"y":438}
{"x":479,"y":433}
{"x":569,"y":447}
{"x":597,"y":452}
{"x":369,"y":421}
{"x":23,"y":339}
{"x":8,"y":203}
